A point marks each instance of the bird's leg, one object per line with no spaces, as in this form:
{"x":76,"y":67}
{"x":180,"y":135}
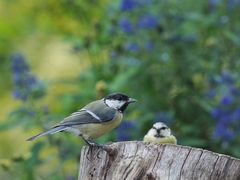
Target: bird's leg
{"x":106,"y":148}
{"x":89,"y":142}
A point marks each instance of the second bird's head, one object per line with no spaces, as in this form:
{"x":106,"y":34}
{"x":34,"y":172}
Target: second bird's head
{"x":160,"y":130}
{"x":118,"y":101}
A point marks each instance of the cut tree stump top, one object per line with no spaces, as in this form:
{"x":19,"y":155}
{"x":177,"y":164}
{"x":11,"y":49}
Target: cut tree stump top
{"x":139,"y":160}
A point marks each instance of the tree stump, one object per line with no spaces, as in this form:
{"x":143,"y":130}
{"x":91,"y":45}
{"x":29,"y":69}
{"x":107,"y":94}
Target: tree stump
{"x":139,"y":160}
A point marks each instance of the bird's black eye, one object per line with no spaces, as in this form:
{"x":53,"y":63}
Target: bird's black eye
{"x":163,"y":128}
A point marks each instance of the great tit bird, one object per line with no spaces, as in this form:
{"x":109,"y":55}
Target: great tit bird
{"x":94,"y":119}
{"x":160,"y":133}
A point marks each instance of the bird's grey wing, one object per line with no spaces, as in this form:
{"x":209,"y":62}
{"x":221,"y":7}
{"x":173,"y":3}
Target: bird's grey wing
{"x":103,"y":111}
{"x":94,"y":112}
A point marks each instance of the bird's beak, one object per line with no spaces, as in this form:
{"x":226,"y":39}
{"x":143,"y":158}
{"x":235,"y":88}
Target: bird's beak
{"x":131,"y":100}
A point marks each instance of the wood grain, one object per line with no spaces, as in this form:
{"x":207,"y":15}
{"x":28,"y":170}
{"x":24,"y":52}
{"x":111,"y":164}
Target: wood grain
{"x":136,"y":160}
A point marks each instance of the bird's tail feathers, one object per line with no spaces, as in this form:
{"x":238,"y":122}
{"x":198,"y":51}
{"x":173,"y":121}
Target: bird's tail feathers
{"x":51,"y":131}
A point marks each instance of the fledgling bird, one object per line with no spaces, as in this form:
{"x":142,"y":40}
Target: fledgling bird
{"x":160,"y":133}
{"x":94,"y":119}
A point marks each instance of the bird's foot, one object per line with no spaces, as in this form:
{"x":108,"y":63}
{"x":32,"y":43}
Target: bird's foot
{"x":106,"y":148}
{"x":111,"y":151}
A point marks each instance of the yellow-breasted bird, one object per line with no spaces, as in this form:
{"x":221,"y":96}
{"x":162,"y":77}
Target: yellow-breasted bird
{"x":160,"y":133}
{"x":94,"y":119}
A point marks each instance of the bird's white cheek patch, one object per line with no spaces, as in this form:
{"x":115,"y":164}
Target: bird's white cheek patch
{"x":115,"y":103}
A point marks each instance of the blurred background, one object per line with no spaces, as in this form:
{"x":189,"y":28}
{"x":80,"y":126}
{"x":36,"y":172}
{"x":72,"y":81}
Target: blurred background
{"x":180,"y":59}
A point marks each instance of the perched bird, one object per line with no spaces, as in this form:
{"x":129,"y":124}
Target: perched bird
{"x":94,"y":119}
{"x":160,"y":133}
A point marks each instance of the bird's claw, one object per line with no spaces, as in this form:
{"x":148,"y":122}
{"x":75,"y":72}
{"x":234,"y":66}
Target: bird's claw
{"x":107,"y":148}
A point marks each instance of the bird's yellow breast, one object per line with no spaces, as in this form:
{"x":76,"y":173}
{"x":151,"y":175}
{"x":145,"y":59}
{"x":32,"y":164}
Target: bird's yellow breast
{"x":165,"y":140}
{"x":91,"y":131}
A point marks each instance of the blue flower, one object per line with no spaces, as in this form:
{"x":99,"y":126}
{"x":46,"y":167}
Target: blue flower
{"x":226,"y":117}
{"x":216,"y":112}
{"x":123,"y":137}
{"x":17,"y":95}
{"x":236,"y":113}
{"x":227,"y":112}
{"x":127,"y":125}
{"x":127,"y":5}
{"x":211,"y":93}
{"x":18,"y":64}
{"x":227,"y":100}
{"x":234,"y":90}
{"x":222,"y":131}
{"x":149,"y":45}
{"x":125,"y":130}
{"x":147,"y":21}
{"x":132,"y":47}
{"x":25,"y":84}
{"x":227,"y":77}
{"x":213,"y":4}
{"x":125,"y":25}
{"x":232,"y":3}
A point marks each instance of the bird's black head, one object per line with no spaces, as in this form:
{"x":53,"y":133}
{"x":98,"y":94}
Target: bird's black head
{"x":118,"y":101}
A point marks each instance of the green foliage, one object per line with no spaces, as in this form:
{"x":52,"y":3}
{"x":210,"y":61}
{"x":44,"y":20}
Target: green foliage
{"x":167,"y":54}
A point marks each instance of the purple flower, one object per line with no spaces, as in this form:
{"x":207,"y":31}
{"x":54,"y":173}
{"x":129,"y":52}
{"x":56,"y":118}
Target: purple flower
{"x":127,"y":5}
{"x":236,"y":113}
{"x":213,"y":4}
{"x":123,"y":137}
{"x":227,"y":100}
{"x":211,"y":93}
{"x":147,"y":21}
{"x":216,"y":112}
{"x":222,"y":131}
{"x":16,"y":94}
{"x":227,"y":77}
{"x":226,"y":117}
{"x":18,"y":64}
{"x":232,"y":3}
{"x":124,"y":131}
{"x":227,"y":112}
{"x":125,"y":25}
{"x":234,"y":90}
{"x":132,"y":47}
{"x":149,"y":45}
{"x":24,"y":82}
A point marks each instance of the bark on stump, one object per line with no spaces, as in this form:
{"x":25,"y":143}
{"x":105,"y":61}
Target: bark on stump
{"x":139,"y":160}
